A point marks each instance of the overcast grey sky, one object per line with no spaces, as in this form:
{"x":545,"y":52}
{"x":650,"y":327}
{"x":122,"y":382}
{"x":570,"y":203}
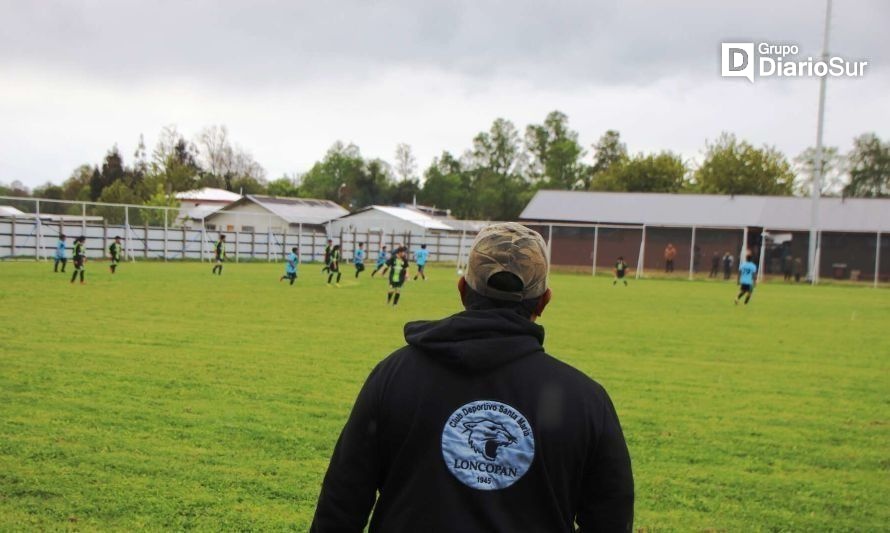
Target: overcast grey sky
{"x":289,"y":78}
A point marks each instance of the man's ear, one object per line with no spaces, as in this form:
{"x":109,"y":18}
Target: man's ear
{"x":542,"y":303}
{"x":462,"y":290}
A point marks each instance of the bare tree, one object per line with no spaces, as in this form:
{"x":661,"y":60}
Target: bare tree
{"x":834,"y":171}
{"x":216,"y":153}
{"x":166,"y":145}
{"x":406,"y":164}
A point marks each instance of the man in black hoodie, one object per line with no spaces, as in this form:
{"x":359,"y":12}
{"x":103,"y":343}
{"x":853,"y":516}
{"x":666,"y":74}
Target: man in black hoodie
{"x":473,"y":427}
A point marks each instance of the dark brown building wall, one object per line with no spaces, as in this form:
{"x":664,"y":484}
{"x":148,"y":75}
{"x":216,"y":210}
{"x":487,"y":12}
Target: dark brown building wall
{"x":856,"y":250}
{"x":573,"y":246}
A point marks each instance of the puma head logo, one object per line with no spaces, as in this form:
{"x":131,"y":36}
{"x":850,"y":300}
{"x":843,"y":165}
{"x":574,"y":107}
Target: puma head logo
{"x":486,"y":436}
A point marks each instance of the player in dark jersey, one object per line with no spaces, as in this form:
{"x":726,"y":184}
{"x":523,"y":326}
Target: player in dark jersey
{"x":398,"y":272}
{"x":327,"y":256}
{"x":219,"y":254}
{"x":620,"y":271}
{"x":334,"y":265}
{"x":80,"y":258}
{"x":114,"y":252}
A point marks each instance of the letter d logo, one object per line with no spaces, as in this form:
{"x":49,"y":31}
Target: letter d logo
{"x":737,"y":60}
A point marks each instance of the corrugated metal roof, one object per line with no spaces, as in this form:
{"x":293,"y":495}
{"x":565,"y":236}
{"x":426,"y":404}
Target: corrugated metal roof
{"x":9,"y":211}
{"x":773,"y":212}
{"x":199,"y":211}
{"x":409,"y":215}
{"x":466,"y":225}
{"x":209,"y":194}
{"x":300,"y":210}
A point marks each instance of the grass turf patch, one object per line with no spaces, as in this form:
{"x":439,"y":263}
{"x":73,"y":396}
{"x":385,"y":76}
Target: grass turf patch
{"x":167,"y":398}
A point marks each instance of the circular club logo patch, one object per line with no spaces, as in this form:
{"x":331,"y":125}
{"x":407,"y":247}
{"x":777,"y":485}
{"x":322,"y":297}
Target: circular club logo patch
{"x":487,"y":445}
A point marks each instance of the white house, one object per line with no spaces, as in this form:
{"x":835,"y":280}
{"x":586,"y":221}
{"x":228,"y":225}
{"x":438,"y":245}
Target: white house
{"x":390,"y":220}
{"x":200,"y":203}
{"x":261,"y":214}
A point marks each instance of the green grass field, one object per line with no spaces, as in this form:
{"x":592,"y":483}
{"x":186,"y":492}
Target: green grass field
{"x":167,"y":398}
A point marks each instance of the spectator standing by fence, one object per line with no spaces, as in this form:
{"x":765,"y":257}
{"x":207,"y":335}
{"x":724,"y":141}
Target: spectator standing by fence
{"x":669,"y":254}
{"x":715,"y":265}
{"x":727,"y":265}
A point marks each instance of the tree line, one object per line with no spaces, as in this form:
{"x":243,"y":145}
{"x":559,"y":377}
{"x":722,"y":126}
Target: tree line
{"x":493,"y":179}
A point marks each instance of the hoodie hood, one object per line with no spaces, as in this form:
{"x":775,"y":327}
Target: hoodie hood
{"x":477,"y":340}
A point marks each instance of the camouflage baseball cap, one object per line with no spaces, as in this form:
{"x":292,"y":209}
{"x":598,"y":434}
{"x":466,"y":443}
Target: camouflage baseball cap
{"x":508,"y":247}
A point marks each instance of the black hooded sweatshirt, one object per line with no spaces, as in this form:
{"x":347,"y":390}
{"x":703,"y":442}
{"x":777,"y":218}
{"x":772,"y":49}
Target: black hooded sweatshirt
{"x":472,"y":427}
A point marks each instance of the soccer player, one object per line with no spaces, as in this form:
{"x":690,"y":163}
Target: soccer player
{"x":746,"y":279}
{"x":381,"y":261}
{"x":290,"y":266}
{"x":114,"y":251}
{"x":620,"y":271}
{"x":219,"y":253}
{"x":327,"y":256}
{"x":334,"y":265}
{"x":358,"y":258}
{"x":60,"y":254}
{"x":420,"y":257}
{"x":80,"y":258}
{"x":398,"y":271}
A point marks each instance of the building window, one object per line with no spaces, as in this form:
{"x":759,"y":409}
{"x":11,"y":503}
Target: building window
{"x":248,"y":229}
{"x":211,"y":227}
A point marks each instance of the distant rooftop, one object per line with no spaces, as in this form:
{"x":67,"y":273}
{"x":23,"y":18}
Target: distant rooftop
{"x":9,"y":211}
{"x":429,"y":210}
{"x":410,"y":215}
{"x":197,"y":212}
{"x":706,"y":210}
{"x":294,"y":210}
{"x":208,"y":194}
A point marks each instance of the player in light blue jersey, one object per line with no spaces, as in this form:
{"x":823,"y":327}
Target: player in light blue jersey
{"x":382,"y":257}
{"x":60,"y":255}
{"x":290,"y":266}
{"x":420,"y":257}
{"x":747,"y":270}
{"x":358,"y":259}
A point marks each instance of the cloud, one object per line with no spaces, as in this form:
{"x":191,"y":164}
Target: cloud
{"x":289,"y":42}
{"x":290,"y":78}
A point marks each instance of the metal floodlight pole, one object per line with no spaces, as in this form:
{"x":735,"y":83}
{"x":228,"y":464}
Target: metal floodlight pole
{"x":877,"y":259}
{"x":744,"y":250}
{"x":692,"y":255}
{"x":203,"y":238}
{"x":300,"y":245}
{"x":596,"y":238}
{"x":816,"y":187}
{"x":83,"y":218}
